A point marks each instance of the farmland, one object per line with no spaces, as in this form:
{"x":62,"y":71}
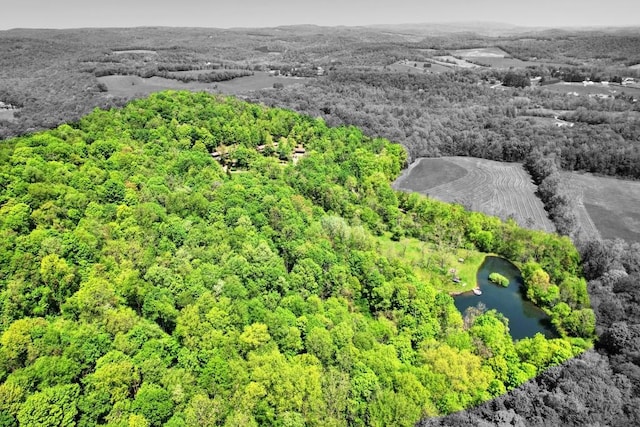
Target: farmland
{"x":498,"y":62}
{"x":485,"y":52}
{"x":456,"y":62}
{"x":495,"y":188}
{"x":419,"y":67}
{"x":607,"y":207}
{"x":490,"y":57}
{"x":591,"y":89}
{"x":138,"y":86}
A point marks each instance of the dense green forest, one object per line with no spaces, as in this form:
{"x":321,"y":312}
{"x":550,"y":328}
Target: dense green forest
{"x":143,"y":284}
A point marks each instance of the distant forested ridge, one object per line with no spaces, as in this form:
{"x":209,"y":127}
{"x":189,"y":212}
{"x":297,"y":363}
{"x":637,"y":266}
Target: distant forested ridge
{"x":143,"y":282}
{"x":453,"y":114}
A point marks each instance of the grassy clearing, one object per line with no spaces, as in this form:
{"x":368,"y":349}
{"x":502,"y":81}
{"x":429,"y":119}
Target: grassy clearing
{"x":418,"y":67}
{"x":610,"y":205}
{"x":495,"y":188}
{"x":490,"y":57}
{"x":260,"y":80}
{"x":461,"y":63}
{"x":129,"y":86}
{"x":487,"y":52}
{"x":594,"y":89}
{"x":434,"y":265}
{"x":497,"y":62}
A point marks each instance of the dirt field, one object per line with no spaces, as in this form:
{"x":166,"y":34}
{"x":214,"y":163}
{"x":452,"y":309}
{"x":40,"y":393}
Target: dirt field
{"x":137,"y":86}
{"x":495,"y":188}
{"x":608,"y":207}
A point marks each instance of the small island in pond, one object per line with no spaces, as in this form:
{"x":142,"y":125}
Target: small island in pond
{"x":499,"y":279}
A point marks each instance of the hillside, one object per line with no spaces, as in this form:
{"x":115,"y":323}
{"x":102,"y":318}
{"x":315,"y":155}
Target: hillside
{"x":143,"y":282}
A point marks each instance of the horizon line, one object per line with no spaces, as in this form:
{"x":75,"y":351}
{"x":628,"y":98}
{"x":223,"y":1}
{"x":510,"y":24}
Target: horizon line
{"x":373,"y":25}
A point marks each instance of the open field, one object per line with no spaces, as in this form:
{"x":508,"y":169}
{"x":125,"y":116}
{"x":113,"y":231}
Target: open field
{"x":134,"y":85}
{"x":456,"y":62}
{"x":495,"y":188}
{"x":608,"y":207}
{"x":546,"y":121}
{"x":592,"y":89}
{"x":490,"y":57}
{"x":488,"y":52}
{"x":435,"y":266}
{"x":138,"y":86}
{"x":418,"y":67}
{"x":498,"y":62}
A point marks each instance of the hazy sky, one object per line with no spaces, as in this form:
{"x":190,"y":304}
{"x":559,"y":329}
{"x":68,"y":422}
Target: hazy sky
{"x":264,"y":13}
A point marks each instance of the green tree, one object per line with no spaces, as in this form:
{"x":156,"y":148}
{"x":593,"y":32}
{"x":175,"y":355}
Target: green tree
{"x":54,"y":406}
{"x":319,"y":343}
{"x":154,"y":403}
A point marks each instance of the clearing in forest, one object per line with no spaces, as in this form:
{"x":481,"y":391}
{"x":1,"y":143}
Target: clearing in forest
{"x":495,"y":188}
{"x":490,"y":57}
{"x":438,"y":266}
{"x":591,"y":89}
{"x":492,"y":52}
{"x":138,"y":86}
{"x":456,"y":62}
{"x":607,"y":207}
{"x":421,"y":67}
{"x":498,"y":62}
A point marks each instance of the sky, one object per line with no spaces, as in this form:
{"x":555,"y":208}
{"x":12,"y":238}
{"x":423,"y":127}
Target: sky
{"x":268,"y":13}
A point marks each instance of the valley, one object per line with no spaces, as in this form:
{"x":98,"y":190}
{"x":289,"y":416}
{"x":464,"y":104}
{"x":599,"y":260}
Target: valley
{"x":145,"y":282}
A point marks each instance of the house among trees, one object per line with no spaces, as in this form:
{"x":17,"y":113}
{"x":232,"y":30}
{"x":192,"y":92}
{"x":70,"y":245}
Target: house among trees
{"x":5,"y":106}
{"x":298,"y":153}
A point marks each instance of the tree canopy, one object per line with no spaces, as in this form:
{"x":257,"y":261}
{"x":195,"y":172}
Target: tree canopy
{"x":143,"y":282}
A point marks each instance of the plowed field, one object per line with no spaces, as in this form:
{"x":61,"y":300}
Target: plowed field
{"x":495,"y":188}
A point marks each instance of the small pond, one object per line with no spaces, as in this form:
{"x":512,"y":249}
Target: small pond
{"x":525,"y":319}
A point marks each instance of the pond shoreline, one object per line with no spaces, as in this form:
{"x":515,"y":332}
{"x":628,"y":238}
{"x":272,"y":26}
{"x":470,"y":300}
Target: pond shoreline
{"x":525,"y":318}
{"x":466,"y":291}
